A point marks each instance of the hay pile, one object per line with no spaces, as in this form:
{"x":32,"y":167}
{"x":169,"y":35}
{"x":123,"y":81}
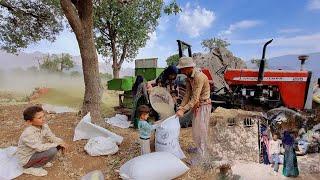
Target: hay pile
{"x":222,"y":113}
{"x":217,"y":59}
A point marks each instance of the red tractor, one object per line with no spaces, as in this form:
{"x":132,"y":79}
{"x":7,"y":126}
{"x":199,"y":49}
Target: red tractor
{"x":269,"y":88}
{"x":272,"y":88}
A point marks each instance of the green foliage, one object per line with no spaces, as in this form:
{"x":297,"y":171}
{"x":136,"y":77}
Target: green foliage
{"x":122,"y":29}
{"x":125,"y":28}
{"x":211,"y":44}
{"x":257,"y":62}
{"x":57,"y":63}
{"x":25,"y":22}
{"x":172,"y":8}
{"x":173,"y":60}
{"x":65,"y":62}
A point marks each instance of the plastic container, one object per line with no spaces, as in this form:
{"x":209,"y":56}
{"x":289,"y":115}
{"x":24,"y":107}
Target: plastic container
{"x":148,"y":73}
{"x":146,"y":63}
{"x":121,"y":84}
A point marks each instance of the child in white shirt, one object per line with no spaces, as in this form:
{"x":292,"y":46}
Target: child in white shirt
{"x":275,"y":147}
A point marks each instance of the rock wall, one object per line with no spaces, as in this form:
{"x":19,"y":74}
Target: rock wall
{"x":229,"y":138}
{"x":217,"y":59}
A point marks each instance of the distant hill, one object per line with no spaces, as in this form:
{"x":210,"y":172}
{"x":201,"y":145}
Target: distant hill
{"x":24,"y":60}
{"x":291,"y":62}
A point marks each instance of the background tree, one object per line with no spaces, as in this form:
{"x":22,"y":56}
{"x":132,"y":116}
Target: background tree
{"x":32,"y":69}
{"x":65,"y":61}
{"x":173,"y":60}
{"x":257,"y":62}
{"x":24,"y":22}
{"x":48,"y":64}
{"x":75,"y":74}
{"x":211,"y":44}
{"x":122,"y":29}
{"x":57,"y":63}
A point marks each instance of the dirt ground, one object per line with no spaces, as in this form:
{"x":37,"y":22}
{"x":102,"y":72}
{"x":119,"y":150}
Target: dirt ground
{"x":77,"y":162}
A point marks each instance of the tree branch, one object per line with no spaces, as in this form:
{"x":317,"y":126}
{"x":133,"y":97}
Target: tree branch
{"x":13,"y":9}
{"x":85,"y":11}
{"x":220,"y":57}
{"x":7,"y":5}
{"x":71,"y":14}
{"x":124,"y":53}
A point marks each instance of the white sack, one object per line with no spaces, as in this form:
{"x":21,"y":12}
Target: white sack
{"x":119,"y":120}
{"x":167,"y":137}
{"x":99,"y":146}
{"x":153,"y":166}
{"x":86,"y":130}
{"x":93,"y":175}
{"x":9,"y":164}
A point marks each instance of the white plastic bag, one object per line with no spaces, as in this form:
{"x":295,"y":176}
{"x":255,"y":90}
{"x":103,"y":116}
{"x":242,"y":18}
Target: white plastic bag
{"x":119,"y":120}
{"x":167,"y":137}
{"x":153,"y":166}
{"x":99,"y":146}
{"x":93,"y":175}
{"x":9,"y":164}
{"x":86,"y":130}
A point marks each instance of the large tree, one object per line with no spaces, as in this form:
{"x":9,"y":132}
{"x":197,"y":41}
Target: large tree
{"x":122,"y":29}
{"x":24,"y":22}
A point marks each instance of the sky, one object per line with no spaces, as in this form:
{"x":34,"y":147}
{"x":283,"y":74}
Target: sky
{"x":246,"y":24}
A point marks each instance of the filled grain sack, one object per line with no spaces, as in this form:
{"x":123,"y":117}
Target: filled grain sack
{"x":9,"y":164}
{"x":167,"y":137}
{"x":99,"y":146}
{"x":153,"y":166}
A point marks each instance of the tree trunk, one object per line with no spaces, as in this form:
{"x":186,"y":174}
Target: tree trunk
{"x":92,"y":95}
{"x":81,"y":22}
{"x":116,"y":72}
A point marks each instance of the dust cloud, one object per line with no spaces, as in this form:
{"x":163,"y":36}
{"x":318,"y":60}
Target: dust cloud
{"x":23,"y":82}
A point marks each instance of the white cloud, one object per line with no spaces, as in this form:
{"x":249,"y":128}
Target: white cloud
{"x":155,"y":49}
{"x":313,"y":5}
{"x":194,"y":20}
{"x":153,"y":39}
{"x":163,"y":23}
{"x":287,"y":45}
{"x":244,"y":24}
{"x":290,"y":30}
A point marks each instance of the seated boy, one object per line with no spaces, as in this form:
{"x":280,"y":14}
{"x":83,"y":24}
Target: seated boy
{"x":37,"y":144}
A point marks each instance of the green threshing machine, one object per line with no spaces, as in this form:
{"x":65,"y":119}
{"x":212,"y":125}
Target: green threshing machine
{"x":147,"y":68}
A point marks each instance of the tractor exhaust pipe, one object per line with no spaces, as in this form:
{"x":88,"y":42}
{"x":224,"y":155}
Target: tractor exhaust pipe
{"x":262,"y":62}
{"x":181,"y":46}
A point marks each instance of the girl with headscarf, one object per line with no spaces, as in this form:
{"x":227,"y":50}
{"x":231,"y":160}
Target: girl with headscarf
{"x":290,"y":164}
{"x":140,"y":91}
{"x":167,"y":80}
